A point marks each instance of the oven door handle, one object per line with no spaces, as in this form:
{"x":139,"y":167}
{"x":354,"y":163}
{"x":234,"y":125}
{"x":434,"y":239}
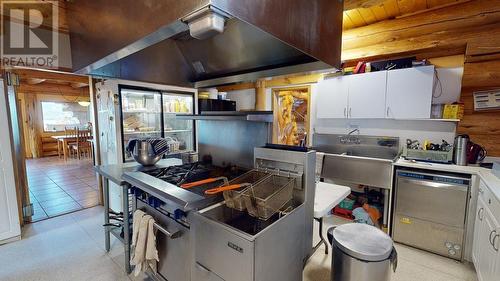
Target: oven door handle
{"x":169,"y":234}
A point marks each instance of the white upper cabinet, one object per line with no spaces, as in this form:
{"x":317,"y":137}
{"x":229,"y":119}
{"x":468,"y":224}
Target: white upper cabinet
{"x":332,"y":96}
{"x":367,"y":95}
{"x":394,"y":94}
{"x":409,"y":92}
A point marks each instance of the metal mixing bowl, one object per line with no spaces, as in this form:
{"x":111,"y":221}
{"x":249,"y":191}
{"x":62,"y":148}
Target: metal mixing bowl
{"x":144,"y":154}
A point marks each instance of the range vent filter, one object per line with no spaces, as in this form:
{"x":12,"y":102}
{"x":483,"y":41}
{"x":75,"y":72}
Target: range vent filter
{"x":487,"y":100}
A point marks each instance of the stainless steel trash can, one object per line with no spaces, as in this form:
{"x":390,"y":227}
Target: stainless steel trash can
{"x":361,"y":253}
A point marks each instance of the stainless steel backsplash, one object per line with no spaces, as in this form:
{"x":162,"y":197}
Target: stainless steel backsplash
{"x":231,"y":142}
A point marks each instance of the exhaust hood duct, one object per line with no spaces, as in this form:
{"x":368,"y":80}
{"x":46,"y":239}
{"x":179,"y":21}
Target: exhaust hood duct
{"x":203,"y":43}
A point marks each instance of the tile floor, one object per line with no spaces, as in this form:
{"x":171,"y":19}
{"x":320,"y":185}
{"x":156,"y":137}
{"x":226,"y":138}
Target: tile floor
{"x":71,"y":247}
{"x":59,"y":187}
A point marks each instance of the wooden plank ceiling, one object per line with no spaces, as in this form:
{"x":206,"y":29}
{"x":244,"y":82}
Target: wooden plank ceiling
{"x":51,"y":82}
{"x":359,"y":13}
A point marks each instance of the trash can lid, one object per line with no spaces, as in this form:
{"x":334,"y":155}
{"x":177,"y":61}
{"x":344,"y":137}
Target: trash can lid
{"x":362,"y":241}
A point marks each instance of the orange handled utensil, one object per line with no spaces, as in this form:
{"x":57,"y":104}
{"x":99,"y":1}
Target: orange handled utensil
{"x":205,"y":181}
{"x":225,"y":188}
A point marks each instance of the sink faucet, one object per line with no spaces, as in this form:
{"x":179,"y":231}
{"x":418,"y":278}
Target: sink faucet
{"x":348,"y":139}
{"x":351,"y":132}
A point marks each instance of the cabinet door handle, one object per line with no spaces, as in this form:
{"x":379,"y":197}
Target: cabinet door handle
{"x":350,"y":112}
{"x":387,"y":113}
{"x":201,"y":267}
{"x":492,"y":237}
{"x":494,"y":242}
{"x":479,"y":213}
{"x":345,"y":110}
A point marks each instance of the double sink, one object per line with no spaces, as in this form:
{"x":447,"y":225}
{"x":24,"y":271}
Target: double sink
{"x":357,"y":159}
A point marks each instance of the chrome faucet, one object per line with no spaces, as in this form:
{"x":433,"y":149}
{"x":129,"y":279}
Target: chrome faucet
{"x":351,"y":132}
{"x":348,"y":139}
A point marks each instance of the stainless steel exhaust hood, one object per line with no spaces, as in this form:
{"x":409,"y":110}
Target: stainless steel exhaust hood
{"x":202,"y":43}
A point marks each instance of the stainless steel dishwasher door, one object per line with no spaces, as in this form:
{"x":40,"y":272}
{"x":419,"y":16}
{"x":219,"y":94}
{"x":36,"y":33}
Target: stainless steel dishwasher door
{"x":430,"y":212}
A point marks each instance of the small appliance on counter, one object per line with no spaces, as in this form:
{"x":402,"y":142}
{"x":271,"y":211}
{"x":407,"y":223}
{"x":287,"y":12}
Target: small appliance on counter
{"x":460,"y":152}
{"x":475,"y":153}
{"x":467,"y":152}
{"x":216,"y":105}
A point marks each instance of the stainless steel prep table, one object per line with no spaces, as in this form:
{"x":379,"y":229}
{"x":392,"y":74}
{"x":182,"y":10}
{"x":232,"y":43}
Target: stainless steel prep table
{"x":114,"y":173}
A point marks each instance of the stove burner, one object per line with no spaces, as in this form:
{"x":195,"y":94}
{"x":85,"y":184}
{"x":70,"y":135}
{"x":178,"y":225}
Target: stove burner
{"x":187,"y":173}
{"x":178,"y":175}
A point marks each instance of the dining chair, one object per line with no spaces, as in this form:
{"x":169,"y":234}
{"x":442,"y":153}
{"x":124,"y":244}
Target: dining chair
{"x":82,"y":145}
{"x":70,"y":131}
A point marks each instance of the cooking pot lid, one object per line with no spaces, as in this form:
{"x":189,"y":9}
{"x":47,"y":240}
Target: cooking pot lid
{"x":362,"y":241}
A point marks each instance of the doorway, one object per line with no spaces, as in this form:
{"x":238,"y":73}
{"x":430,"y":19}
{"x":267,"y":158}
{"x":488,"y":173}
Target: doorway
{"x":55,"y":116}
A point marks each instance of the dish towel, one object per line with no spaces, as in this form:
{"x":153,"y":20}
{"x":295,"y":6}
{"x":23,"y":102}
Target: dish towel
{"x":144,"y":253}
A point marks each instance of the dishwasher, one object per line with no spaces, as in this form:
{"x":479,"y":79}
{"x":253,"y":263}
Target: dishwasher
{"x":430,"y":211}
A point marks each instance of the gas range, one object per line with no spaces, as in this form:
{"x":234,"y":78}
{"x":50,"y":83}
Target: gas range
{"x":163,"y":184}
{"x":180,"y":174}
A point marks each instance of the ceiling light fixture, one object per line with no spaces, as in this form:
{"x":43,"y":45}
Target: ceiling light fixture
{"x":84,"y":103}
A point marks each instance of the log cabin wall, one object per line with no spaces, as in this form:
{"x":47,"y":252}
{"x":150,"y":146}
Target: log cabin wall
{"x":482,"y":127}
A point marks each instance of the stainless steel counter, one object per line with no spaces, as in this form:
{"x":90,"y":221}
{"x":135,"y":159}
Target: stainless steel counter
{"x":115,"y":173}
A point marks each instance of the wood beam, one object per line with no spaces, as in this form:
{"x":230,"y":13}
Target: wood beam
{"x":52,"y":89}
{"x":474,"y":13}
{"x":78,"y":85}
{"x":356,"y":4}
{"x":446,"y":31}
{"x":481,"y":74}
{"x":292,"y":80}
{"x":260,"y":95}
{"x":25,"y":74}
{"x":34,"y":81}
{"x":236,"y":87}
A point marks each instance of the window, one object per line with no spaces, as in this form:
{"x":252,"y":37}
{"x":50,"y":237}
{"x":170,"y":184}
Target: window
{"x":58,"y":115}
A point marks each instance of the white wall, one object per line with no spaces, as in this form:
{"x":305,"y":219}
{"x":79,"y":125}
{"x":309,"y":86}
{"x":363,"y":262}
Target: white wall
{"x":9,"y":217}
{"x":245,"y":99}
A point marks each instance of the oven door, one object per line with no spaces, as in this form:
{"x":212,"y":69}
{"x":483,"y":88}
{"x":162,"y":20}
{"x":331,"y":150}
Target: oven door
{"x":174,"y":252}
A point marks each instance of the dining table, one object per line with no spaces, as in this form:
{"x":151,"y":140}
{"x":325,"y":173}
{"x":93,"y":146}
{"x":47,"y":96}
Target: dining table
{"x":62,"y":144}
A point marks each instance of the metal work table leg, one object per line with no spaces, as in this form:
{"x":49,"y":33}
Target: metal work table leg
{"x":106,"y":213}
{"x":126,"y":226}
{"x":323,"y":240}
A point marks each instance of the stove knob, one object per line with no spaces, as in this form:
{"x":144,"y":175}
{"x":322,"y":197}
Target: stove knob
{"x":178,"y":214}
{"x":154,"y":202}
{"x":137,"y":192}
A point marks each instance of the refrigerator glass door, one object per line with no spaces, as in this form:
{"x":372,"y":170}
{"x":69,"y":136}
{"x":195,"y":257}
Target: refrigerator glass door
{"x":179,"y":132}
{"x":141,"y":115}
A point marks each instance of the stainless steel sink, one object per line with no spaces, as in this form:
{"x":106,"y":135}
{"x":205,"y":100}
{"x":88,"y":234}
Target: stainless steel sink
{"x":357,"y":159}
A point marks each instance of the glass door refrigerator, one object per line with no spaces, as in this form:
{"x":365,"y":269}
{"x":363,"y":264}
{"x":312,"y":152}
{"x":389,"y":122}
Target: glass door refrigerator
{"x":151,"y":113}
{"x":179,"y":132}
